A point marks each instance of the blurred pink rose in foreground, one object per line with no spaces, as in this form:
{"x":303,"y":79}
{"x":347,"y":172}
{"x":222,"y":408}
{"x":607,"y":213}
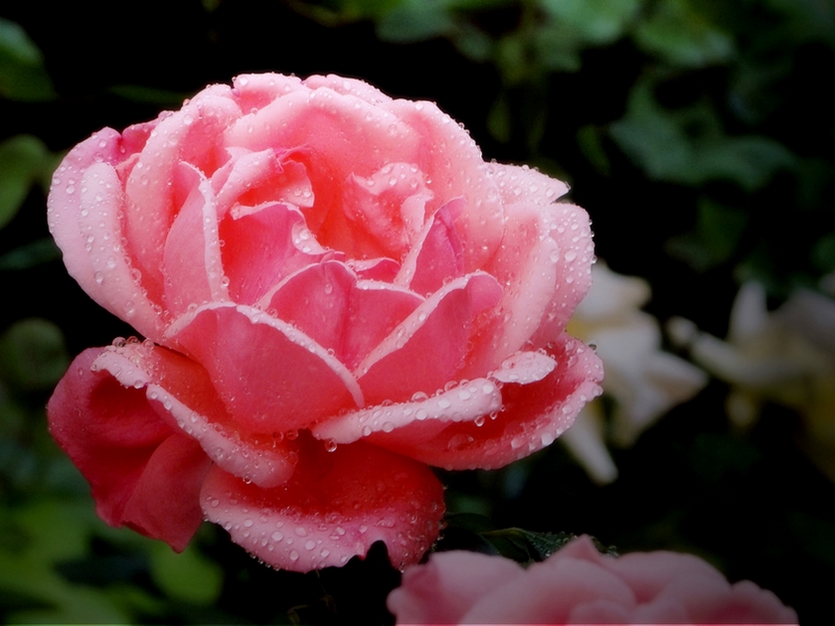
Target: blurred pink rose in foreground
{"x":578,"y":585}
{"x":336,"y":291}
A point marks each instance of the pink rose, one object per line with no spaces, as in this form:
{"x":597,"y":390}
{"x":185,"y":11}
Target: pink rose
{"x":336,"y":291}
{"x":578,"y":585}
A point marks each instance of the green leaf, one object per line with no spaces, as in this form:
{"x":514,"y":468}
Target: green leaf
{"x":590,"y":140}
{"x":416,"y":20}
{"x":688,"y":146}
{"x":189,"y":576}
{"x":715,"y":239}
{"x":33,"y":354}
{"x":594,"y":21}
{"x":24,"y":161}
{"x":808,"y":20}
{"x":823,"y":253}
{"x":22,"y":74}
{"x":30,"y":255}
{"x":522,"y":546}
{"x":681,"y":34}
{"x":46,"y":533}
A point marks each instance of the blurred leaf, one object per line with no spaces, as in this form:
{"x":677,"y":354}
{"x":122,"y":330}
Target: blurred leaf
{"x":187,"y":576}
{"x":30,"y":255}
{"x":823,"y":254}
{"x":512,"y":58}
{"x":590,"y":140}
{"x":681,"y":34}
{"x":499,"y":120}
{"x":22,"y":74}
{"x":415,"y":20}
{"x":33,"y":354}
{"x":715,"y":238}
{"x":24,"y":161}
{"x":473,"y":43}
{"x":48,"y":532}
{"x":808,"y":20}
{"x":558,"y":47}
{"x":595,"y":21}
{"x":687,"y":145}
{"x":477,"y":533}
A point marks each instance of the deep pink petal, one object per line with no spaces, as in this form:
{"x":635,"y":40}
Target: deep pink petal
{"x":387,"y":209}
{"x":436,"y":258}
{"x":271,"y":376}
{"x":182,"y":394}
{"x":143,"y":473}
{"x":533,"y":415}
{"x":191,"y":260}
{"x":334,"y":507}
{"x":427,"y":349}
{"x":264,"y":246}
{"x":165,"y":503}
{"x":345,"y":315}
{"x":85,"y":208}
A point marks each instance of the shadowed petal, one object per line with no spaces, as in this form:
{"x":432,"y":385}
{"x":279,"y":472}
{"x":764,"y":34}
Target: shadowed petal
{"x":334,"y":507}
{"x":143,"y":473}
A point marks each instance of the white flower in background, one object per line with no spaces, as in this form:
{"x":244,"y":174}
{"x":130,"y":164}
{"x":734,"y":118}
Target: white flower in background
{"x":643,"y":381}
{"x":786,"y":356}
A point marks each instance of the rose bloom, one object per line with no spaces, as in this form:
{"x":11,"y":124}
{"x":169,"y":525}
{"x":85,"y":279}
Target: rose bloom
{"x":336,"y":291}
{"x":578,"y":585}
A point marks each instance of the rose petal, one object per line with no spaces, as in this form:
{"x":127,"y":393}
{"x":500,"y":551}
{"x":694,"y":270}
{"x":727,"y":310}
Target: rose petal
{"x":443,"y":590}
{"x":455,"y":166}
{"x":427,"y":349}
{"x":527,"y":264}
{"x":271,"y":376}
{"x":264,"y":246}
{"x":334,"y":507}
{"x":388,"y":209}
{"x":182,"y":394}
{"x":570,"y":228}
{"x":524,"y":368}
{"x":189,"y":135}
{"x":437,"y":256}
{"x":578,"y":582}
{"x":192,"y":249}
{"x":255,"y":178}
{"x":342,"y":314}
{"x":466,"y":402}
{"x":522,"y":184}
{"x":85,"y":208}
{"x":533,"y":415}
{"x":142,"y":472}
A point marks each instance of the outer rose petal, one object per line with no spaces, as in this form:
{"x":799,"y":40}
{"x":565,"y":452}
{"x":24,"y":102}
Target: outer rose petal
{"x":85,"y":203}
{"x":534,"y":415}
{"x":443,"y":590}
{"x":143,"y":473}
{"x":334,"y":507}
{"x":577,"y":585}
{"x":427,"y":349}
{"x":281,"y":380}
